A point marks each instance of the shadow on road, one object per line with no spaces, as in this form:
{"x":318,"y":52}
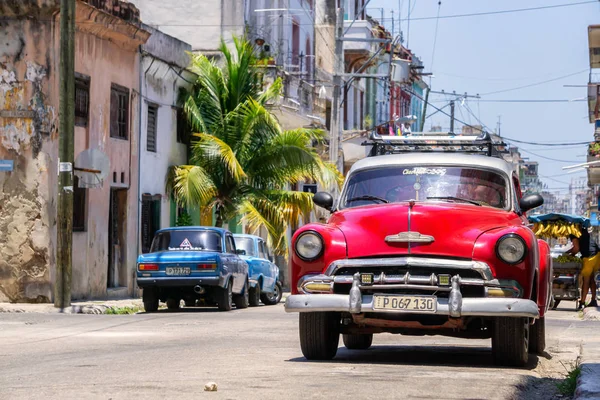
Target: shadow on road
{"x":470,"y":357}
{"x":538,"y":388}
{"x":199,"y":310}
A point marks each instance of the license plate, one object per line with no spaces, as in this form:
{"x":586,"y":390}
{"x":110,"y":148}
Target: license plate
{"x":406,"y":303}
{"x":178,"y":270}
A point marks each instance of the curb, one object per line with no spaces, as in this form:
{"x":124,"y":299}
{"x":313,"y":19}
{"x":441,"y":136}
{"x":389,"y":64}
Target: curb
{"x":591,"y":314}
{"x":50,"y":309}
{"x":588,"y":384}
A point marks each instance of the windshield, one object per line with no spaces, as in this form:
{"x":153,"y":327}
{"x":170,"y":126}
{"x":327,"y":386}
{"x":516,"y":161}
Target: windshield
{"x":244,"y":243}
{"x":433,"y":183}
{"x":187,"y":240}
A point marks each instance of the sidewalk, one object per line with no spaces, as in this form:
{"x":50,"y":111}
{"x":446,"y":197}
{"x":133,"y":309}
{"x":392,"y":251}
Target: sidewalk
{"x":82,"y":307}
{"x":588,"y":384}
{"x":77,"y":307}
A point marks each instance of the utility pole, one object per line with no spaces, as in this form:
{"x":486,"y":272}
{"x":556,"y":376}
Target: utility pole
{"x":335,"y":139}
{"x":62,"y":287}
{"x":451,"y":116}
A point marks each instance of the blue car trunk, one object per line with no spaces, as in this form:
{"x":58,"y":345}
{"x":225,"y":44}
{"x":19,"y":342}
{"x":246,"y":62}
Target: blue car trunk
{"x":178,"y":263}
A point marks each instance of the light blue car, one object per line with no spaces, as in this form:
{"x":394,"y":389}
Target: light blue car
{"x":262,"y":271}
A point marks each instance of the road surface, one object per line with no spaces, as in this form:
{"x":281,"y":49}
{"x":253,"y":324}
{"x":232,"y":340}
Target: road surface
{"x":254,"y":354}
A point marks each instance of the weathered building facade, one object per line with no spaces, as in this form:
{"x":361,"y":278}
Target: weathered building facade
{"x":108,"y":35}
{"x":163,"y":139}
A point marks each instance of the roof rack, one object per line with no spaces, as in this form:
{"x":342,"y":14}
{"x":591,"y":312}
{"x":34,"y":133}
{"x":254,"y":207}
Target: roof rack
{"x":435,"y":142}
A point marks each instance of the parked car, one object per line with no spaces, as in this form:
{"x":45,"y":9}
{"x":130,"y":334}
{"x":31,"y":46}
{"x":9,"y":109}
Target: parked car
{"x":264,"y":274}
{"x":192,"y":263}
{"x":421,"y":244}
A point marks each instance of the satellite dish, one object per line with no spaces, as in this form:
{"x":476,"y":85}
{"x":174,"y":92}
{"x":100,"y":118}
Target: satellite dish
{"x":91,"y":167}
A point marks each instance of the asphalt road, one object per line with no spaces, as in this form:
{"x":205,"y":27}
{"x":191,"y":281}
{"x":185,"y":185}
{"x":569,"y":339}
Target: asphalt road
{"x":253,"y":354}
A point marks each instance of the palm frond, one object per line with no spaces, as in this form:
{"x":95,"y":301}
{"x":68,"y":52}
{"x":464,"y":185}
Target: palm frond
{"x":190,"y":185}
{"x":211,"y":148}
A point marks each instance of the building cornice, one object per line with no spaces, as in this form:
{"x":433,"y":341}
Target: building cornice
{"x":105,"y":25}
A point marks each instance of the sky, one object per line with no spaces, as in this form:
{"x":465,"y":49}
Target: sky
{"x":488,"y":53}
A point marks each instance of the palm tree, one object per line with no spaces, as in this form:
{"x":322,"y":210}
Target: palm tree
{"x":241,"y":159}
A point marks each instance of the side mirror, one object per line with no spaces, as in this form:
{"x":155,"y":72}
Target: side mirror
{"x":240,"y":252}
{"x":323,"y":200}
{"x":530,"y":202}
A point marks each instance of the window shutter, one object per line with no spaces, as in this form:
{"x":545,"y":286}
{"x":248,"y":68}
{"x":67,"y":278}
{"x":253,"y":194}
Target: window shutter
{"x":114,"y":113}
{"x":151,"y":129}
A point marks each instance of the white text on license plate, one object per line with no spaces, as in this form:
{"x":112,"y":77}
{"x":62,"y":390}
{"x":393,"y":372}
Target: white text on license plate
{"x":178,"y":270}
{"x":406,"y":303}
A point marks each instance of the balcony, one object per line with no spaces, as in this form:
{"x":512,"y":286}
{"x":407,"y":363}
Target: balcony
{"x":361,"y":29}
{"x":593,"y":170}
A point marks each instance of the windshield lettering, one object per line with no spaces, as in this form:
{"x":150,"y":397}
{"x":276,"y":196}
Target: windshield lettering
{"x":425,"y":171}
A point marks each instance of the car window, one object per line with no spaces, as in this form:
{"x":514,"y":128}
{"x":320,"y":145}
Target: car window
{"x":230,"y":244}
{"x":199,"y":240}
{"x":261,"y":249}
{"x":403,"y":183}
{"x":245,"y":243}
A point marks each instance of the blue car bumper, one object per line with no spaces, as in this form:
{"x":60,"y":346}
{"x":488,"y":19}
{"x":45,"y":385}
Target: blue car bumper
{"x":181,"y":281}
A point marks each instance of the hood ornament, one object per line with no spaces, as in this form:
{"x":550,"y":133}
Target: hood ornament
{"x":409,"y":237}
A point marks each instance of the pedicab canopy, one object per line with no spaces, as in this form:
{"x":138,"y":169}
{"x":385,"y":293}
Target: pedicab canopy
{"x":558,"y":225}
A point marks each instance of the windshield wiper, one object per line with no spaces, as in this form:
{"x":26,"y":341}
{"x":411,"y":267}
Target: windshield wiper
{"x":367,"y":197}
{"x":455,"y":199}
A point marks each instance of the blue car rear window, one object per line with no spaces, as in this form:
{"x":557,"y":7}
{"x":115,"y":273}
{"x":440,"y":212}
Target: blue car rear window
{"x":187,"y":240}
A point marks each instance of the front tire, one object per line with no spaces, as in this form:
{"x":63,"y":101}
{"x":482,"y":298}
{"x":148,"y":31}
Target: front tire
{"x":358,"y":342}
{"x":225,"y":298}
{"x":319,"y":334}
{"x":510,"y":341}
{"x":241,"y":300}
{"x":537,"y":336}
{"x":150,"y":299}
{"x":270,"y":299}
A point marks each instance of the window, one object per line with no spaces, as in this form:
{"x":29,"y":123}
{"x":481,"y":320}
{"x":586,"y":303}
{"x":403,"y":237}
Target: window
{"x":119,"y":112}
{"x":79,"y":206}
{"x":151,"y":128}
{"x":295,"y":42}
{"x":230,"y":244}
{"x":150,"y":219}
{"x":261,"y":250}
{"x":187,"y":240}
{"x":82,"y":99}
{"x":183,"y":128}
{"x":245,"y":243}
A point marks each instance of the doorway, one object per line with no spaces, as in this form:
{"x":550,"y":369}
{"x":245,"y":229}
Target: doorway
{"x":117,"y":231}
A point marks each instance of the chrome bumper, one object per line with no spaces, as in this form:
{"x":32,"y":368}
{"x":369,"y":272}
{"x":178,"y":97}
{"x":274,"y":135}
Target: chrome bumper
{"x":480,"y":307}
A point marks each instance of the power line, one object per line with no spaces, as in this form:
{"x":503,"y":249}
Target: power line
{"x":546,"y":158}
{"x":501,"y":11}
{"x":536,"y":83}
{"x":546,"y":143}
{"x":533,"y":101}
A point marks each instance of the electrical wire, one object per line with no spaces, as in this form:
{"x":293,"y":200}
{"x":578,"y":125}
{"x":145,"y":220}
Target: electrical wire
{"x":437,"y":22}
{"x":545,"y":158}
{"x":536,"y":83}
{"x":546,"y":143}
{"x":503,"y":11}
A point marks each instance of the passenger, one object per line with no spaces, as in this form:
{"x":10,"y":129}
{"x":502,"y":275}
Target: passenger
{"x":591,"y":262}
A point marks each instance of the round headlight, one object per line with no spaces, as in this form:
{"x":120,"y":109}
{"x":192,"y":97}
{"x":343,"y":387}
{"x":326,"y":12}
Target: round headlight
{"x":511,"y":249}
{"x":309,"y":246}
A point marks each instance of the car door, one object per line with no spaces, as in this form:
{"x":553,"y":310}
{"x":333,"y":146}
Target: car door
{"x":231,"y":261}
{"x":240,"y":265}
{"x":265,"y":266}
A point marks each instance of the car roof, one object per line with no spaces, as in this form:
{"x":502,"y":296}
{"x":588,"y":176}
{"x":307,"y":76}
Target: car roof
{"x":245,"y":235}
{"x":451,"y":159}
{"x":194,"y":228}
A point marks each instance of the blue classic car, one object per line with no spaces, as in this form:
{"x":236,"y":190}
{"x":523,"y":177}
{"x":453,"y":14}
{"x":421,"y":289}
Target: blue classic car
{"x":192,"y":263}
{"x":264,"y":274}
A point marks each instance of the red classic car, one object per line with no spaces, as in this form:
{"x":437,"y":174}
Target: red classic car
{"x":423,"y":241}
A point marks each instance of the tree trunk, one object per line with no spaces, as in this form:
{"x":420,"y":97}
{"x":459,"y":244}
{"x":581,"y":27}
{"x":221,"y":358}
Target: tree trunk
{"x":219,"y":221}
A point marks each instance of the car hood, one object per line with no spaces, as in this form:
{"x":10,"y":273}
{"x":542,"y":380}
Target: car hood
{"x":454,"y":228}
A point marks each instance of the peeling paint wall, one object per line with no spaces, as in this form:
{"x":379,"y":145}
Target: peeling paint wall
{"x":106,"y":50}
{"x":28,"y":128}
